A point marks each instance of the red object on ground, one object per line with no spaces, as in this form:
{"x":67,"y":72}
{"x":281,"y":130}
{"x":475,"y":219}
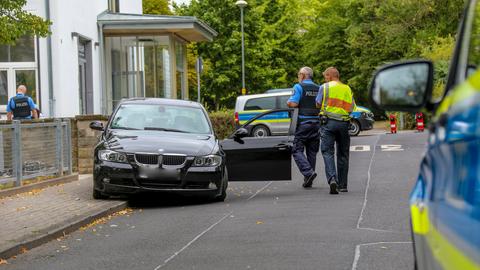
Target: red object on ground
{"x":420,"y":122}
{"x":393,"y":123}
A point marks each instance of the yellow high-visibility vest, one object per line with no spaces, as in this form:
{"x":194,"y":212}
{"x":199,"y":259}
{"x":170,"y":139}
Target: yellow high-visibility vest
{"x":337,"y":101}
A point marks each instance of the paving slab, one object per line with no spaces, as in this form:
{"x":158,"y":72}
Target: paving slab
{"x":32,"y":218}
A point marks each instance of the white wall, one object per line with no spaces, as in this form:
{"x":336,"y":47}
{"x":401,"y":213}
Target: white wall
{"x":70,"y":16}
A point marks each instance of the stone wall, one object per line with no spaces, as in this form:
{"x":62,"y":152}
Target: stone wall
{"x":86,"y":140}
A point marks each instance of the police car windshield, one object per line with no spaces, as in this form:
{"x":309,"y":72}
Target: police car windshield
{"x":167,"y":118}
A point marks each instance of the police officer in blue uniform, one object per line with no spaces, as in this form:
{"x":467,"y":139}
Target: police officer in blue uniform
{"x":21,"y":106}
{"x":307,"y":138}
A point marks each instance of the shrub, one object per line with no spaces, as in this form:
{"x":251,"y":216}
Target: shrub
{"x":223,"y":123}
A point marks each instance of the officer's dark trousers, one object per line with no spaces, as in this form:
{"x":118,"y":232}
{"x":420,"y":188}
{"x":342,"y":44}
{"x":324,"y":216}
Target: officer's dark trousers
{"x":306,"y":139}
{"x":331,"y":133}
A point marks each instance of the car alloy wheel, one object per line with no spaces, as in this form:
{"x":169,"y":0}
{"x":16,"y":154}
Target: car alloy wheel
{"x":354,"y":128}
{"x":260,"y":131}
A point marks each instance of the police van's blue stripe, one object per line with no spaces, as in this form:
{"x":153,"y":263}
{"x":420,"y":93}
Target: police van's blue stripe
{"x":273,"y":116}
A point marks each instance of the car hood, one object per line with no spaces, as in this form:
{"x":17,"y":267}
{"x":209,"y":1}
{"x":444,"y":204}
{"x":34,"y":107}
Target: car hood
{"x":139,"y":141}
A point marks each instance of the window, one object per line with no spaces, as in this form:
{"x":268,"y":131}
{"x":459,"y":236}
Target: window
{"x":282,"y":102}
{"x":266,"y":103}
{"x":180,"y":58}
{"x":473,"y":61}
{"x":167,"y":118}
{"x":22,"y":51}
{"x":139,"y":66}
{"x":18,"y":66}
{"x":3,"y":87}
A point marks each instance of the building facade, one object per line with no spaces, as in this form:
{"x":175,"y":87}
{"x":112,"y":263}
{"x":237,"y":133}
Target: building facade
{"x":99,"y":52}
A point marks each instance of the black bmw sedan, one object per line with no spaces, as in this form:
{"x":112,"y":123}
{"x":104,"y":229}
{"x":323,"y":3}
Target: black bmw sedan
{"x":164,"y":145}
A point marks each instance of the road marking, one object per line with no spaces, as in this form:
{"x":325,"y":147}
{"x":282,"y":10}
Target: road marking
{"x":260,"y":190}
{"x":391,"y":147}
{"x":207,"y":230}
{"x":192,"y":241}
{"x":360,"y":148}
{"x":357,"y":251}
{"x":369,"y":176}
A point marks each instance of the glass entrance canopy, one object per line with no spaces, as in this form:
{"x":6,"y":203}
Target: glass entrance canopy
{"x":145,"y":55}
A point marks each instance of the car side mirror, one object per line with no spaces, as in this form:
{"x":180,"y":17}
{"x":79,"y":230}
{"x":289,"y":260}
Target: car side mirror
{"x":403,"y":86}
{"x":241,"y":133}
{"x":96,"y":125}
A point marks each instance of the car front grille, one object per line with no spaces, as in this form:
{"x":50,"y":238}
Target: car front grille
{"x":173,"y":160}
{"x":147,"y":159}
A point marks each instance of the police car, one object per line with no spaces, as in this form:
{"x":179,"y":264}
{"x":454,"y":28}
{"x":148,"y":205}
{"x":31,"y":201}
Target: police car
{"x":445,"y":201}
{"x":248,"y":106}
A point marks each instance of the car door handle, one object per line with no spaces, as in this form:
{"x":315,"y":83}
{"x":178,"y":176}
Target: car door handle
{"x":282,"y":146}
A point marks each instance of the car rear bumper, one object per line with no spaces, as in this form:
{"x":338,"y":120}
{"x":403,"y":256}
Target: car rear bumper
{"x":120,"y":178}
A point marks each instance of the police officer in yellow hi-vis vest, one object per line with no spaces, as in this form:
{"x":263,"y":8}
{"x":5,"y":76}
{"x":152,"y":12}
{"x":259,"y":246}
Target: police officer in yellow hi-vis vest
{"x":336,"y":102}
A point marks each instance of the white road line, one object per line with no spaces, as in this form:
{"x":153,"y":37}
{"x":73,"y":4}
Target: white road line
{"x":357,"y":251}
{"x":192,"y":241}
{"x":260,"y":190}
{"x":369,"y":176}
{"x":206,"y":230}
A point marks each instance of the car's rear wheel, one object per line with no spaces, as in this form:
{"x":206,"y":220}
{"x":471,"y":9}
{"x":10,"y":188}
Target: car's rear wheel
{"x":260,"y":131}
{"x":354,"y":128}
{"x":98,"y":195}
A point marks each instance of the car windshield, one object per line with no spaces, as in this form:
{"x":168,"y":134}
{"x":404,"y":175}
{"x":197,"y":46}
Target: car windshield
{"x":168,"y":118}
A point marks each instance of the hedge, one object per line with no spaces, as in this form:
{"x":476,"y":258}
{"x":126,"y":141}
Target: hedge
{"x":223,"y":123}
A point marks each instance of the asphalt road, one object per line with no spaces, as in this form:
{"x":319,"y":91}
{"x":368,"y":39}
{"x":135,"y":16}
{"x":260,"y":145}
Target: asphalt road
{"x":262,"y":225}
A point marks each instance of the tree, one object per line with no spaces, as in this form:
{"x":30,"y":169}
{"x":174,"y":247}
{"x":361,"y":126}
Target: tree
{"x":272,"y":41}
{"x":157,"y":7}
{"x":15,"y":22}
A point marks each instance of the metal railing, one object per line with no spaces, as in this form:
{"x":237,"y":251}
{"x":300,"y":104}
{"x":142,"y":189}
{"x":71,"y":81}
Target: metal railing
{"x":29,"y":151}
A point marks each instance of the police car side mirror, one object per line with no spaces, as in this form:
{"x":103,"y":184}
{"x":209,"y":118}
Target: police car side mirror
{"x":403,"y":86}
{"x":96,"y":125}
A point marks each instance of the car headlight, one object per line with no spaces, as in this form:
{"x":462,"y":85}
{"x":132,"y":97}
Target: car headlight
{"x":363,"y":114}
{"x":112,"y":156}
{"x":207,"y":161}
{"x":370,"y":115}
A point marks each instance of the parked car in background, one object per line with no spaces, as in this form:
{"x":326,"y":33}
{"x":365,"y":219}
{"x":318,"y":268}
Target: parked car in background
{"x":249,"y":106}
{"x":279,"y":90}
{"x":362,"y":119}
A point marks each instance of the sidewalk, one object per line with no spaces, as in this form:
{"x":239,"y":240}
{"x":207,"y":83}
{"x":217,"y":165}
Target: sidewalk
{"x":33,"y":218}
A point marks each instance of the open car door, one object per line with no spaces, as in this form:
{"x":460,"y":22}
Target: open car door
{"x":261,"y":158}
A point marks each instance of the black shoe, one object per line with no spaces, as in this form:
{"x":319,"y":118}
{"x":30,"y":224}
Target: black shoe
{"x":333,"y":187}
{"x":307,"y":182}
{"x":343,"y":190}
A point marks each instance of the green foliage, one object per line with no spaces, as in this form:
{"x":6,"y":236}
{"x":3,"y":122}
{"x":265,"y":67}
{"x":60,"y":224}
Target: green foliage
{"x":272,"y":42}
{"x":15,"y":22}
{"x":223,"y":123}
{"x":356,"y":36}
{"x":156,"y":7}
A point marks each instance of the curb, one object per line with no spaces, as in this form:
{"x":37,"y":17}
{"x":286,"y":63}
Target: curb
{"x":64,"y":229}
{"x":47,"y":183}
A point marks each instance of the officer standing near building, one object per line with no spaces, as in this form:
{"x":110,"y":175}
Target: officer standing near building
{"x":306,"y":135}
{"x":21,"y":106}
{"x":336,"y":102}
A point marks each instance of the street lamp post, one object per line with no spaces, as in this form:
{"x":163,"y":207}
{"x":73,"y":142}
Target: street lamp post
{"x":242,"y":4}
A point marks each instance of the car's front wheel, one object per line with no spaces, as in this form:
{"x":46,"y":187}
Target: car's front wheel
{"x":354,"y":128}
